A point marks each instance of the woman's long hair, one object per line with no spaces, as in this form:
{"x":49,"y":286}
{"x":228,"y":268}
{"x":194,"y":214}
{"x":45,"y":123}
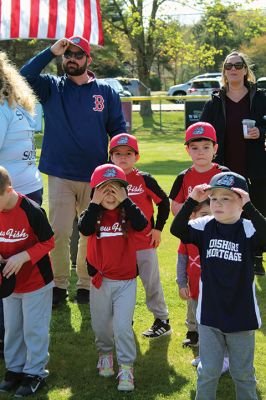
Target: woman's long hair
{"x":248,"y":78}
{"x":13,"y":87}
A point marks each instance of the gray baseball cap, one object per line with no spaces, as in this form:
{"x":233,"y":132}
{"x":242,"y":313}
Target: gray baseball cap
{"x":228,"y":180}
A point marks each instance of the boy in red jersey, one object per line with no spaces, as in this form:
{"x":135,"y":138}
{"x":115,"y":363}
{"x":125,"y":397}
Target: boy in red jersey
{"x":111,"y":222}
{"x":25,"y":241}
{"x":201,"y":145}
{"x":144,"y":190}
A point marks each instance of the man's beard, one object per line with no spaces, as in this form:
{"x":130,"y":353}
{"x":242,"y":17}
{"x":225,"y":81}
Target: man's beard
{"x":72,"y":68}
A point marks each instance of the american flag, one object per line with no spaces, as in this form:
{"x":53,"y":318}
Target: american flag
{"x":51,"y":19}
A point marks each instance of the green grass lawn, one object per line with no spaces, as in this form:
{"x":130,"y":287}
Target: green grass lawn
{"x":162,"y":368}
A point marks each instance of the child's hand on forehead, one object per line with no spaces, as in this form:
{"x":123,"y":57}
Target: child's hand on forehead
{"x":200,"y":192}
{"x":244,"y":195}
{"x":99,"y":194}
{"x":118,"y":191}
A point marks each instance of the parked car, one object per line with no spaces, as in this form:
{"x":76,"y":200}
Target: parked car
{"x":261,"y":83}
{"x":116,"y":85}
{"x":182,"y":89}
{"x":204,"y":86}
{"x":133,"y":85}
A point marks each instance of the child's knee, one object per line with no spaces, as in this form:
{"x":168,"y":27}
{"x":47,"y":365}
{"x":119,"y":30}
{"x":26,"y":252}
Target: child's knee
{"x":209,"y":371}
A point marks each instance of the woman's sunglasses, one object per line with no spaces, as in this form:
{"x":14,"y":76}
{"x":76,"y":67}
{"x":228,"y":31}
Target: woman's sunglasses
{"x":238,"y":65}
{"x":78,"y":55}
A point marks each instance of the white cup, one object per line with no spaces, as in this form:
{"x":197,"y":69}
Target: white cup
{"x":247,"y":123}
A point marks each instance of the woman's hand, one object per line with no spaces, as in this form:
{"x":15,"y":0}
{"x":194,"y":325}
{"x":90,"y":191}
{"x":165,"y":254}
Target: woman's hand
{"x":253,"y":133}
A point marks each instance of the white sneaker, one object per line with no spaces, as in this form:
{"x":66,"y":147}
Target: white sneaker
{"x":225,"y":365}
{"x":105,"y":365}
{"x":195,"y":362}
{"x":126,"y":378}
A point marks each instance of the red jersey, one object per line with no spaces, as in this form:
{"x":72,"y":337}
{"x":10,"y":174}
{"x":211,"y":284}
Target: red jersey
{"x":188,"y":179}
{"x":26,"y":227}
{"x":144,"y":190}
{"x":193,"y":267}
{"x":111,"y":253}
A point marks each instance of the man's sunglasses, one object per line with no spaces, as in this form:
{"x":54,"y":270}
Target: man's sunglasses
{"x":78,"y":55}
{"x":238,"y":65}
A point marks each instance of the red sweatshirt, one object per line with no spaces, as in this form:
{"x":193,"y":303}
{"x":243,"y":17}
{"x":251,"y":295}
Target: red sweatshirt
{"x":26,"y":227}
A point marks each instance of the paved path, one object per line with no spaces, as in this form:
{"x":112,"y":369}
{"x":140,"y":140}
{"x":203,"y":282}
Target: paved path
{"x":164,"y":107}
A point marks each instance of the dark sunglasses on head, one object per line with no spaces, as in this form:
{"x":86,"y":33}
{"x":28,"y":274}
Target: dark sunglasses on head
{"x":238,"y":65}
{"x":78,"y":55}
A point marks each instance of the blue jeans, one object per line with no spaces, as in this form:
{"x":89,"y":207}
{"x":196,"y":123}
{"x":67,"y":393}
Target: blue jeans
{"x":212,"y":346}
{"x":27,"y":321}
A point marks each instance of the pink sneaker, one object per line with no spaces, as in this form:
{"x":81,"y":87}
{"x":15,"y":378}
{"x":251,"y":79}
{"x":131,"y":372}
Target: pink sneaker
{"x":126,"y":378}
{"x":105,"y":365}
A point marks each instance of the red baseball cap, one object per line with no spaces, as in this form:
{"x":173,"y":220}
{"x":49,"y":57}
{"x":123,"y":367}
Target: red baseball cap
{"x":200,"y":130}
{"x":82,"y":43}
{"x":107,"y":172}
{"x":124,"y":139}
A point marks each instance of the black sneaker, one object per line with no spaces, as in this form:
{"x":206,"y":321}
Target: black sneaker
{"x":30,"y":385}
{"x":59,"y":296}
{"x":83,"y":296}
{"x":158,"y":329}
{"x":11,"y":381}
{"x":258,"y":266}
{"x":192,"y":339}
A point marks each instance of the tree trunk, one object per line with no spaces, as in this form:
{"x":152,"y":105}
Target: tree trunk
{"x":144,"y":76}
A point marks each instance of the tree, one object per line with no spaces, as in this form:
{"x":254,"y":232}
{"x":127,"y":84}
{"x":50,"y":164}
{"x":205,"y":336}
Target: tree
{"x":217,"y":29}
{"x":127,"y":17}
{"x":257,"y":53}
{"x":183,"y":50}
{"x":20,"y":51}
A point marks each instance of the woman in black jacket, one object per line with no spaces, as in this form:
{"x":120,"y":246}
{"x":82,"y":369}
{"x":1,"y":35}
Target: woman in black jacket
{"x":237,"y":100}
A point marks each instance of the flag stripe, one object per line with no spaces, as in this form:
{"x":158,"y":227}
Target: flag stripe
{"x":61,"y":18}
{"x":100,"y":25}
{"x":79,"y":19}
{"x":24,"y":18}
{"x":71,"y":13}
{"x":34,"y":18}
{"x":15,"y":18}
{"x":52,"y":19}
{"x":5,"y":19}
{"x":43,"y":19}
{"x":87,"y":19}
{"x":94,"y":21}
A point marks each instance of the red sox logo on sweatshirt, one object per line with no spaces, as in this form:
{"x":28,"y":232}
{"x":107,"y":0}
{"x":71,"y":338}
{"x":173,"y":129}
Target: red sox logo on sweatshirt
{"x":98,"y":102}
{"x":11,"y":235}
